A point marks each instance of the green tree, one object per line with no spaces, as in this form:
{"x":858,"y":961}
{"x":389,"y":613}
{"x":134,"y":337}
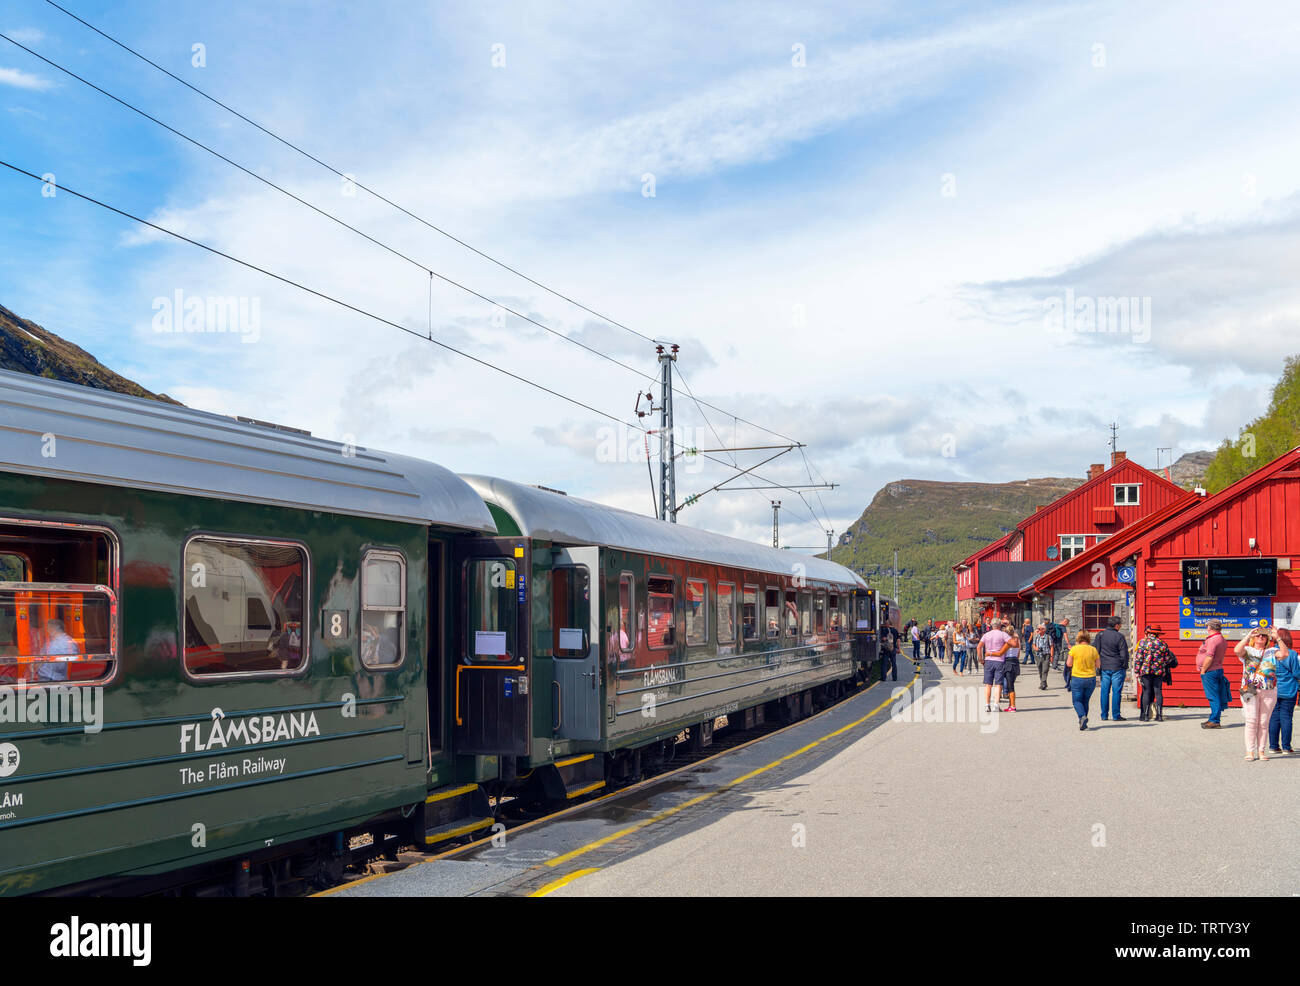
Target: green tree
{"x":1273,"y":433}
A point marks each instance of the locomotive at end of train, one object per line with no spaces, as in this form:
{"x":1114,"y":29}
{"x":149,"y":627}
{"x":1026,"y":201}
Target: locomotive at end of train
{"x":237,"y":659}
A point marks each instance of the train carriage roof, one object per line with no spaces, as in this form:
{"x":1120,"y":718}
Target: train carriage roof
{"x":108,"y":438}
{"x":567,"y":520}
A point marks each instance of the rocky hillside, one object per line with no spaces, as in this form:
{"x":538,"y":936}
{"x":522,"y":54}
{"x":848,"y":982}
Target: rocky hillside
{"x":934,"y":526}
{"x":1190,"y":469}
{"x":28,"y":348}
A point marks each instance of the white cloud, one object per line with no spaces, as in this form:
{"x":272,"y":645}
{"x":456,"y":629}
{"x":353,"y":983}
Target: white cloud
{"x":19,"y":79}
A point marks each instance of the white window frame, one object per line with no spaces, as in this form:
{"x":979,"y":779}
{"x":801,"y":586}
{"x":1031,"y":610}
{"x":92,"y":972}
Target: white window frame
{"x":1077,"y":546}
{"x":1137,"y":494}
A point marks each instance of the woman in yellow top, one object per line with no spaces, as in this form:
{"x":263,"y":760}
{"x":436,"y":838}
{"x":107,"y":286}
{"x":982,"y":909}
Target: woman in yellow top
{"x":1082,"y":662}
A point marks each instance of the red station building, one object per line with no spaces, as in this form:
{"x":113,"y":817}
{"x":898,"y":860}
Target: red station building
{"x":1227,"y":556}
{"x":1003,"y":578}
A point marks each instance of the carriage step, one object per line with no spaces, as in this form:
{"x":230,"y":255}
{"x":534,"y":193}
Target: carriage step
{"x":456,"y":829}
{"x":573,"y":777}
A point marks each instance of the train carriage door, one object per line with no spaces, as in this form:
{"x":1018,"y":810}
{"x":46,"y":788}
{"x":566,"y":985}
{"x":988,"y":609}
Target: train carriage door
{"x":492,"y":667}
{"x":575,"y":642}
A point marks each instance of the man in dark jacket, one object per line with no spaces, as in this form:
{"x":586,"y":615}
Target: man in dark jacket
{"x":1113,"y":666}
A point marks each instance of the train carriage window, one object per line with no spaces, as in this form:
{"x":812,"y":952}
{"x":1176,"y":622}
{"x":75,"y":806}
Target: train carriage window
{"x":792,"y":614}
{"x":833,"y":605}
{"x":726,"y":613}
{"x":492,"y":624}
{"x":819,"y":614}
{"x":244,"y":611}
{"x":697,"y":612}
{"x":383,"y":609}
{"x":751,"y":617}
{"x":570,"y":611}
{"x":661,"y":631}
{"x":772,"y":598}
{"x":626,"y":620}
{"x":805,"y":613}
{"x":58,"y":604}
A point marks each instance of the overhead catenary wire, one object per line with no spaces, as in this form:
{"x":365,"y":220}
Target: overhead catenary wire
{"x":333,"y":300}
{"x":432,"y":273}
{"x":329,"y":215}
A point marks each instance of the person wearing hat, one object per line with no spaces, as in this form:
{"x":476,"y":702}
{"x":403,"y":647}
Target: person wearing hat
{"x":1209,"y":662}
{"x":1153,"y":659}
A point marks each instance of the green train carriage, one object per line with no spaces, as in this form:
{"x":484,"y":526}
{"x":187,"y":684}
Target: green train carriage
{"x":636,"y":631}
{"x":249,"y":612}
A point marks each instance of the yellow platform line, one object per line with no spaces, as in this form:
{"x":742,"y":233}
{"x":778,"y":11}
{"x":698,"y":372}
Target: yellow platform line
{"x":568,"y":878}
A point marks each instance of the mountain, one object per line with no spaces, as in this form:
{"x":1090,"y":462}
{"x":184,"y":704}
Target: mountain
{"x":28,"y":348}
{"x":1274,"y":432}
{"x":1190,"y":469}
{"x":935,"y":525}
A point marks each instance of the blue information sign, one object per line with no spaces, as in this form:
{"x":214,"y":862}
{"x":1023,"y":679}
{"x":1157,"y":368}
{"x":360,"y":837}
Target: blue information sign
{"x":1238,"y":614}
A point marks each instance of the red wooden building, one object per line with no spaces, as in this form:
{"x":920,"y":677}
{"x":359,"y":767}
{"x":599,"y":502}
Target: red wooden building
{"x":1257,"y":521}
{"x":996,"y":578}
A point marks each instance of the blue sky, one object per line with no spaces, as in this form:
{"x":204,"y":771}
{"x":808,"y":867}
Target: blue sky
{"x":856,"y":251}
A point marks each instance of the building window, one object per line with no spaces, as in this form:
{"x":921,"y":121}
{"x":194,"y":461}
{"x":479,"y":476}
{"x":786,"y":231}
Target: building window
{"x":1072,"y":544}
{"x":726,"y":613}
{"x":244,"y":611}
{"x":697,"y":612}
{"x":1126,"y":494}
{"x":1096,"y":616}
{"x":383,"y":609}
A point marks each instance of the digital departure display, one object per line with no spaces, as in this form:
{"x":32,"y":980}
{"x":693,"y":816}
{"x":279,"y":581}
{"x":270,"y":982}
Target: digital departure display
{"x":1242,"y":577}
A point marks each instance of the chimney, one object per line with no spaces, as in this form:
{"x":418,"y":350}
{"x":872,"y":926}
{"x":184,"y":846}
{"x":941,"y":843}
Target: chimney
{"x":1116,"y":458}
{"x":1039,"y":507}
{"x":1095,"y":470}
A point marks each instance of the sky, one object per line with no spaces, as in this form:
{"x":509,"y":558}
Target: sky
{"x":928,"y":240}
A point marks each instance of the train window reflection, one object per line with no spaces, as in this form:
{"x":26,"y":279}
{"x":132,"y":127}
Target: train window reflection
{"x":750,"y":618}
{"x":626,"y":593}
{"x":726,"y":613}
{"x":244,"y":607}
{"x":697,"y":613}
{"x":661,"y":631}
{"x":491,"y":627}
{"x":570,"y":611}
{"x":58,"y":603}
{"x":791,"y":614}
{"x":383,"y":609}
{"x":772,"y":597}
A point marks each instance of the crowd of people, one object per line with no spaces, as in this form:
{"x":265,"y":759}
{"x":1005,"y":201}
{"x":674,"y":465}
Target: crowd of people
{"x":1270,"y":680}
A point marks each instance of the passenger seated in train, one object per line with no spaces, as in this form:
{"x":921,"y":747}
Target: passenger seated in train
{"x":57,"y":644}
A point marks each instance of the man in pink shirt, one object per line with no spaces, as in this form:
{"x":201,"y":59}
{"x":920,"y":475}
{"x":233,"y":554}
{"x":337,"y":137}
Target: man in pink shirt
{"x":1209,"y":661}
{"x":992,"y":647}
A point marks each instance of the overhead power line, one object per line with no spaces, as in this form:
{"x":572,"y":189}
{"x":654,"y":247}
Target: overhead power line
{"x":341,"y":303}
{"x":370,"y":191}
